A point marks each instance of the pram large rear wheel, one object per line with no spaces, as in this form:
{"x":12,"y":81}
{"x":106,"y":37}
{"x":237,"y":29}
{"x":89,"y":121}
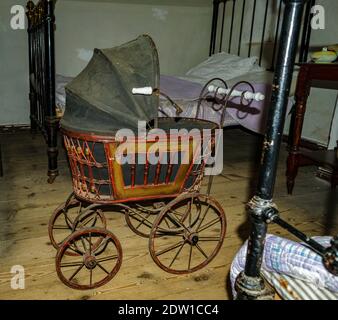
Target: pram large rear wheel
{"x":93,"y":265}
{"x":61,"y":223}
{"x":187,"y":234}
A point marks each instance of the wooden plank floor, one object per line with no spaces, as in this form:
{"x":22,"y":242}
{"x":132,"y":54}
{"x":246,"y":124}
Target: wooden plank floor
{"x":27,"y":202}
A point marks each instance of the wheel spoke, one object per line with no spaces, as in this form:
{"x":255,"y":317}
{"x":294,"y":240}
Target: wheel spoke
{"x":85,"y":223}
{"x":166,"y":222}
{"x":208,"y":238}
{"x":60,"y":227}
{"x":71,"y":264}
{"x":67,"y":218}
{"x":76,"y":250}
{"x":191,"y":204}
{"x":93,"y":215}
{"x":84,"y":244}
{"x":79,"y":223}
{"x":209,"y":224}
{"x":80,"y":208}
{"x":103,"y":259}
{"x":104,"y":269}
{"x":141,"y":222}
{"x":175,"y":221}
{"x":177,"y":253}
{"x":170,"y":248}
{"x":90,"y":243}
{"x":91,"y":277}
{"x":166,"y":233}
{"x":201,"y":250}
{"x":204,"y":215}
{"x":177,"y":214}
{"x":189,"y":261}
{"x":76,"y":272}
{"x":142,"y":219}
{"x":102,"y":244}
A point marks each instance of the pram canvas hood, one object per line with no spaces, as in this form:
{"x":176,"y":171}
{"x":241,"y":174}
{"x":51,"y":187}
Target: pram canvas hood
{"x":100,"y":100}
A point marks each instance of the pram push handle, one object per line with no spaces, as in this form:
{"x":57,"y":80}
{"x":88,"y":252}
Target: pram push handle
{"x":235,"y":93}
{"x":149,"y":91}
{"x":143,"y":90}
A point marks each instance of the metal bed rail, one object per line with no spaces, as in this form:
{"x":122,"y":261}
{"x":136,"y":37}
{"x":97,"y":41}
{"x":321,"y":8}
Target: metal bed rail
{"x":251,"y":13}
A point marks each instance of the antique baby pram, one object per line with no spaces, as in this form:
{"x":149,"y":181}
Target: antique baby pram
{"x":160,"y":199}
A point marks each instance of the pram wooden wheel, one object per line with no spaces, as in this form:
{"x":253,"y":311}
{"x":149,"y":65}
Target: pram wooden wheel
{"x":94,"y":265}
{"x":61,"y":223}
{"x":140,"y":219}
{"x":187,"y":234}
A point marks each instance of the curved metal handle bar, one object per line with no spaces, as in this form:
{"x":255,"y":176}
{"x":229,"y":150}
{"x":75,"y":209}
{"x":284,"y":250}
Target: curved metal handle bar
{"x":203,"y":94}
{"x":178,"y":109}
{"x":225,"y":98}
{"x":228,"y":96}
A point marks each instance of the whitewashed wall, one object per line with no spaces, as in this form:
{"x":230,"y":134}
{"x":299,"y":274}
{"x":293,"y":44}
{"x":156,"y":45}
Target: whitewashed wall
{"x":181,"y":30}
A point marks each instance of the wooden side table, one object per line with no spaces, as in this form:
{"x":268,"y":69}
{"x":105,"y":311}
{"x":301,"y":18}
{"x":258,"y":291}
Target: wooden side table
{"x":319,"y":76}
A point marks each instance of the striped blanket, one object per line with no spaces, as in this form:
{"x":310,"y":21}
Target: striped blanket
{"x":293,"y":269}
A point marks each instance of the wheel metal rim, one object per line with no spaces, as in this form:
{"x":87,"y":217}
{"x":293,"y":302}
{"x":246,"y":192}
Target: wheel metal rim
{"x":97,"y":231}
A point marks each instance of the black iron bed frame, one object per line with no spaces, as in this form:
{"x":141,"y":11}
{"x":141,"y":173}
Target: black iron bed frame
{"x":261,"y":209}
{"x":220,"y":40}
{"x":41,"y":46}
{"x":41,"y":25}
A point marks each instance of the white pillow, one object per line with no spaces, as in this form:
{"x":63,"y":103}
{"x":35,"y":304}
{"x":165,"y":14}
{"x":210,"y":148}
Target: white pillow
{"x":225,"y":66}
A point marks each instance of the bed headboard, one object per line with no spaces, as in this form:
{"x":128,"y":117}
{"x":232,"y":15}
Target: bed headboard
{"x":252,"y":27}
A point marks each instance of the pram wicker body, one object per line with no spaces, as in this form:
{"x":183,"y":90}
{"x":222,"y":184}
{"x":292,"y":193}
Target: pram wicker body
{"x":160,"y":199}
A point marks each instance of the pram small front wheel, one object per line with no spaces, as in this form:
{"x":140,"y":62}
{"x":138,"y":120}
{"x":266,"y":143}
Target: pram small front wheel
{"x":70,"y":216}
{"x":187,"y":234}
{"x":94,"y":265}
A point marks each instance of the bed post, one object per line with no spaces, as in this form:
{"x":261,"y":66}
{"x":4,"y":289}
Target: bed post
{"x":32,"y":97}
{"x":214,"y":26}
{"x":261,"y":209}
{"x":51,"y":121}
